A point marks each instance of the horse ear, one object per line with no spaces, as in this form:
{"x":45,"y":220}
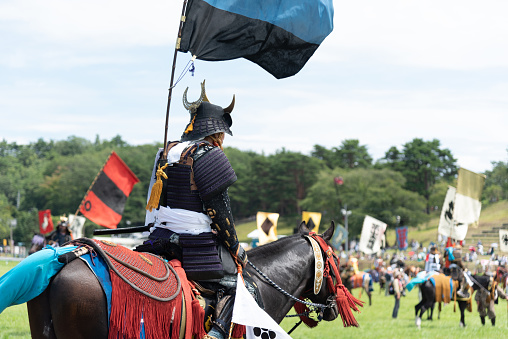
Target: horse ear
{"x":303,"y":228}
{"x":329,"y":232}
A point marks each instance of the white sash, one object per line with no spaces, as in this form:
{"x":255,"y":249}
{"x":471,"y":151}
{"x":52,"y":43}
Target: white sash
{"x":182,"y":221}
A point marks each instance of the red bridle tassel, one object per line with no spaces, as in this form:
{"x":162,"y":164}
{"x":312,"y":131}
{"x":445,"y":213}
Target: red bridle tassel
{"x":302,"y":308}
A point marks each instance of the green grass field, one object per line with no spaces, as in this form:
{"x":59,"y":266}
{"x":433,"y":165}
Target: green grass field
{"x":375,"y":321}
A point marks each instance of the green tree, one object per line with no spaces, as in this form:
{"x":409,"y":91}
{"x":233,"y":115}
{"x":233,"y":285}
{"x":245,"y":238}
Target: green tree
{"x":423,"y":163}
{"x":496,"y":183}
{"x":5,"y":217}
{"x":379,"y":193}
{"x":354,"y":155}
{"x":291,"y":174}
{"x":350,"y":154}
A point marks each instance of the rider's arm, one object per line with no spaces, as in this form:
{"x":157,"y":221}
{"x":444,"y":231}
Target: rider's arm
{"x":218,"y":208}
{"x":213,"y":175}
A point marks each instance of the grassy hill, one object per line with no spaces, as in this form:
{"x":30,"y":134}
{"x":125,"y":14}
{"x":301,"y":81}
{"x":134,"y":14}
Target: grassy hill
{"x":492,"y":218}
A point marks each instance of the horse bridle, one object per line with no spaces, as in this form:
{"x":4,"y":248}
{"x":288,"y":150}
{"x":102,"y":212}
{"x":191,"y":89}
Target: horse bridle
{"x":340,"y":295}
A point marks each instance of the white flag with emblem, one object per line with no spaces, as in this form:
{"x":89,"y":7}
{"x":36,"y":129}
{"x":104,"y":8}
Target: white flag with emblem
{"x":446,"y":221}
{"x":372,"y":233}
{"x":503,"y":240}
{"x":258,"y":323}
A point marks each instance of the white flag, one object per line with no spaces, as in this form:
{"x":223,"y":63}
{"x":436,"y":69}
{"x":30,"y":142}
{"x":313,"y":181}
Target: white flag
{"x":446,"y":220}
{"x":257,"y":322}
{"x":372,"y":233}
{"x":76,"y":224}
{"x":503,"y":240}
{"x":467,"y":200}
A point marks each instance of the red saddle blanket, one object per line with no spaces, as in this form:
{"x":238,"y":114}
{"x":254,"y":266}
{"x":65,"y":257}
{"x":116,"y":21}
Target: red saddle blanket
{"x":145,"y":272}
{"x":148,"y":292}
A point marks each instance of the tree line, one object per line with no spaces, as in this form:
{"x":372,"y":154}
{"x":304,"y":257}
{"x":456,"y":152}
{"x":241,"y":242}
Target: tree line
{"x":408,"y":182}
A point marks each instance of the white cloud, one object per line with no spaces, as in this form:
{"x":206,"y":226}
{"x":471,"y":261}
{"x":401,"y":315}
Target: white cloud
{"x":389,"y":72}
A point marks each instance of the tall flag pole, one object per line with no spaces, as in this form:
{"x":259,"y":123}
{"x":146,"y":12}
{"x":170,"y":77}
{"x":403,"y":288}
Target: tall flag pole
{"x":170,"y":91}
{"x":105,"y":199}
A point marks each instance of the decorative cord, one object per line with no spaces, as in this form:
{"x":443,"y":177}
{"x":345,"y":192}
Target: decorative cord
{"x":321,"y":306}
{"x":187,"y":68}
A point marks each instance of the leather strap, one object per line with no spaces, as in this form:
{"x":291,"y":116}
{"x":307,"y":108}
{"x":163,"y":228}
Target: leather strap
{"x":318,"y":265}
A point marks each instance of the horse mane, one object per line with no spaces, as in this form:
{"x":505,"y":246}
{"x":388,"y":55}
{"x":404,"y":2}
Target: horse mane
{"x":275,"y":245}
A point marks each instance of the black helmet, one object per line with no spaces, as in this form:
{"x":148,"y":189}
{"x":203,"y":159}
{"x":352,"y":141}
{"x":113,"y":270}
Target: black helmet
{"x":206,"y":118}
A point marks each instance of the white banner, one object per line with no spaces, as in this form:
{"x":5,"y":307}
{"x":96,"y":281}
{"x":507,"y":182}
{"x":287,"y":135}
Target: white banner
{"x":76,"y":224}
{"x":258,"y":323}
{"x":503,"y":241}
{"x":372,"y":233}
{"x":467,"y":200}
{"x":446,"y":220}
{"x":467,"y":210}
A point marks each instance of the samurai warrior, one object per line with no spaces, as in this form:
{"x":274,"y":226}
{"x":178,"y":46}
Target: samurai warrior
{"x":192,"y":219}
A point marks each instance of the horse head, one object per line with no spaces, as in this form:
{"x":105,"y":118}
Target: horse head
{"x":324,"y":295}
{"x":331,"y":290}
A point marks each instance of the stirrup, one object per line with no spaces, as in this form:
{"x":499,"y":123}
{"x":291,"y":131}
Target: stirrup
{"x":463,"y":294}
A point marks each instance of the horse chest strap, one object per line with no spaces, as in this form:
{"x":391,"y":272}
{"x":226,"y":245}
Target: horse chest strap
{"x":318,"y":265}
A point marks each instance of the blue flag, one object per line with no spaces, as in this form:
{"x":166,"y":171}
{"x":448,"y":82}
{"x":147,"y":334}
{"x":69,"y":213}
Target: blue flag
{"x":401,"y":237}
{"x":339,"y":236}
{"x":278,"y":35}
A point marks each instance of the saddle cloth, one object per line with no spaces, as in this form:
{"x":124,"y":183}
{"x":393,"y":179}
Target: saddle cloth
{"x":156,"y":291}
{"x":445,"y":287}
{"x":145,"y":272}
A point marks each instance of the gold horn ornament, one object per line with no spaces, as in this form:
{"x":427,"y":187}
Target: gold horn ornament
{"x":229,"y":109}
{"x":193,"y":106}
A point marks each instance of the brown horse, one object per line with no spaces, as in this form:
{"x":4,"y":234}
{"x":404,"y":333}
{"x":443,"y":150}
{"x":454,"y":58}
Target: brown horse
{"x":364,"y":281}
{"x":74,"y":305}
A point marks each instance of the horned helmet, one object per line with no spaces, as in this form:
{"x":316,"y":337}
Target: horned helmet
{"x":205,"y":117}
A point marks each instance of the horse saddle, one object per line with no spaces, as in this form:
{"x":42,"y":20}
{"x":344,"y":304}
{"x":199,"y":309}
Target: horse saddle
{"x":147,"y":273}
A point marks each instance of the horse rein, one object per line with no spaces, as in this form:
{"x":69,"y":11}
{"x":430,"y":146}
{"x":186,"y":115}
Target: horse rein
{"x":287,"y":294}
{"x":477,"y":283}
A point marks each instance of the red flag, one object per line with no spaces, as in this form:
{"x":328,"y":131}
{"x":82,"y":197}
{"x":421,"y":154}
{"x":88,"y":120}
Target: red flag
{"x":105,"y":200}
{"x":338,"y":180}
{"x":45,"y":222}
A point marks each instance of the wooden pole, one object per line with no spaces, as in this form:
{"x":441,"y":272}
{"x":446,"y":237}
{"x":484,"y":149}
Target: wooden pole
{"x":170,"y":91}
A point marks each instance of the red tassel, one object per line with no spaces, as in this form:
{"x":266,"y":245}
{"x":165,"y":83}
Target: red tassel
{"x":302,"y":308}
{"x":127,"y":306}
{"x":345,"y":301}
{"x":198,"y":318}
{"x":238,"y":331}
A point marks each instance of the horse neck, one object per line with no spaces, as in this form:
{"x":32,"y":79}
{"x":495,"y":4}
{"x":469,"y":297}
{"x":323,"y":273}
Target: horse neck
{"x":483,"y":280}
{"x":289,"y":262}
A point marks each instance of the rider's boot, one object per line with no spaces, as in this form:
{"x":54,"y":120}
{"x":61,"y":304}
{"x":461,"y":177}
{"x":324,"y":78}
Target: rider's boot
{"x":463,"y":292}
{"x":223,"y":317}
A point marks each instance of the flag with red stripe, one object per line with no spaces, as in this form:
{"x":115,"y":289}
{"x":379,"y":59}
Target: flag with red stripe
{"x":45,"y":222}
{"x":105,"y":200}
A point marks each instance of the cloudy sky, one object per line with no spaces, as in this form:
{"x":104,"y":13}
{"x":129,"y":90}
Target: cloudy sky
{"x":391,"y":71}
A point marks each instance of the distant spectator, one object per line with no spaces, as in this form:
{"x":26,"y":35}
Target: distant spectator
{"x":397,"y":292}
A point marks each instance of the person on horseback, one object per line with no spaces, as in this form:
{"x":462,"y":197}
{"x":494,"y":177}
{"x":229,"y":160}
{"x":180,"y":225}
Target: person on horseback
{"x":432,"y":261}
{"x":194,"y":211}
{"x":62,"y":234}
